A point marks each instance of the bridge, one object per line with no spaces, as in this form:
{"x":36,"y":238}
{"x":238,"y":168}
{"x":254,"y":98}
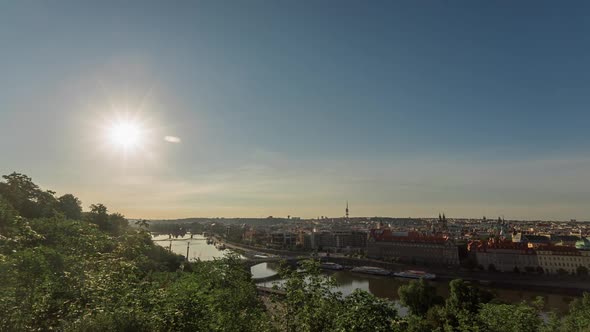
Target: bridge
{"x":178,"y":239}
{"x":251,"y":261}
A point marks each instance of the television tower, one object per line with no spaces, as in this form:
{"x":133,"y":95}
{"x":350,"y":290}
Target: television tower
{"x":346,"y":210}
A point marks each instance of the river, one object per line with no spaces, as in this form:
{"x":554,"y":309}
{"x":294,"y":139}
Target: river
{"x":197,"y":246}
{"x":385,"y":287}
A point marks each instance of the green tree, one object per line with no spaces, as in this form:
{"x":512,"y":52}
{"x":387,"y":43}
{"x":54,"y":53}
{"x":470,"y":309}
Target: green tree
{"x":582,"y":271}
{"x":19,"y":190}
{"x":418,"y":296}
{"x":362,"y":311}
{"x":508,"y":318}
{"x":7,"y":217}
{"x":578,"y":319}
{"x":310,"y":303}
{"x":70,"y":206}
{"x":465,"y":296}
{"x":142,"y":223}
{"x":26,"y":197}
{"x":114,"y":223}
{"x":99,"y":215}
{"x":117,"y":223}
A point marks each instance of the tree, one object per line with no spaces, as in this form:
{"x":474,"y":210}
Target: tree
{"x":99,"y":215}
{"x":310,"y":303}
{"x":19,"y":190}
{"x":492,"y":268}
{"x":26,"y":197}
{"x":508,"y":318}
{"x":70,"y":206}
{"x":142,"y":223}
{"x":464,"y":296}
{"x":117,"y":223}
{"x":418,"y":296}
{"x":582,"y":271}
{"x":362,"y":311}
{"x":578,"y":318}
{"x":7,"y":216}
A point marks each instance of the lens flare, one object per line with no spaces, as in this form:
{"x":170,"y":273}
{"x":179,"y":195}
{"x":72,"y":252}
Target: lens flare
{"x":125,"y":134}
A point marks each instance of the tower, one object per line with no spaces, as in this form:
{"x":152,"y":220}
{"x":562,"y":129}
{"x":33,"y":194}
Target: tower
{"x":346,"y":210}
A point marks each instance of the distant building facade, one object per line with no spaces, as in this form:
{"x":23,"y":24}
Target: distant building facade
{"x":347,"y":240}
{"x":283,"y":238}
{"x":532,"y":241}
{"x":560,"y":259}
{"x":506,"y":256}
{"x":411,"y":247}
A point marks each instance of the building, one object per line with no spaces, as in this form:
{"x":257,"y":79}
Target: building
{"x":564,"y":240}
{"x":505,"y":256}
{"x":563,"y":259}
{"x":255,"y":236}
{"x":283,"y":238}
{"x":347,"y":240}
{"x":532,"y":241}
{"x":411,"y":247}
{"x":583,"y":244}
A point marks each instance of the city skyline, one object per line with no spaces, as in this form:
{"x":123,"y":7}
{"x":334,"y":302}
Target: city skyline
{"x":292,"y":108}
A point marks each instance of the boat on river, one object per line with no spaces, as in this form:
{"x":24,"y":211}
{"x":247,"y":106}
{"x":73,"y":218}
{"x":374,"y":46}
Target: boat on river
{"x":371,"y":270}
{"x":331,"y":266}
{"x":413,"y":274}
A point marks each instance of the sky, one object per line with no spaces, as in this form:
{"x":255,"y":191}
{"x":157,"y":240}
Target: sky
{"x":402,"y":108}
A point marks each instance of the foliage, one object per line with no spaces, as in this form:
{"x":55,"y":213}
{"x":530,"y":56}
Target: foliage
{"x":311,"y":304}
{"x":578,"y":318}
{"x":58,"y":272}
{"x":364,"y":312}
{"x":62,"y":269}
{"x":418,"y":296}
{"x":466,"y":297}
{"x":70,"y":206}
{"x":508,"y":318}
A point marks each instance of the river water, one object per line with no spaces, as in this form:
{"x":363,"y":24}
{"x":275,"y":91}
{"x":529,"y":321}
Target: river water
{"x":198,"y":249}
{"x":385,"y":287}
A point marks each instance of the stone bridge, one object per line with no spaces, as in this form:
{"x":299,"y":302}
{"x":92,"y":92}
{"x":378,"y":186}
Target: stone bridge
{"x":251,"y":261}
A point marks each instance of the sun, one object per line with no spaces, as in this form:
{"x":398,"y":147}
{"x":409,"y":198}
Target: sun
{"x":125,"y":134}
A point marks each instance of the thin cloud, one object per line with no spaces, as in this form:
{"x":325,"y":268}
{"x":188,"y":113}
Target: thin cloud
{"x":172,"y":139}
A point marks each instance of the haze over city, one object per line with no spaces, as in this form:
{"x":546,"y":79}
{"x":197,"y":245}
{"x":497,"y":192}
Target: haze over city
{"x":265,"y":108}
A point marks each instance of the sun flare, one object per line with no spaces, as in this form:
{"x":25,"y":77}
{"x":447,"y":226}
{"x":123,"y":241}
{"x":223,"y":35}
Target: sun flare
{"x":125,"y":134}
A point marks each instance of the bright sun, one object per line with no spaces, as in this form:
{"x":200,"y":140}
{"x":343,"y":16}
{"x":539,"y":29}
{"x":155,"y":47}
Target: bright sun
{"x":125,"y":134}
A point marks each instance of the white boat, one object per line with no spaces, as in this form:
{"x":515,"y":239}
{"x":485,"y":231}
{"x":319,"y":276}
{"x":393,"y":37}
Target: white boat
{"x":413,"y":274}
{"x":331,"y":266}
{"x":371,"y":270}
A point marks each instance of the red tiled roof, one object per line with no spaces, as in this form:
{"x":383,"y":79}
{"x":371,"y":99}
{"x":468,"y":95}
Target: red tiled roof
{"x":493,"y":244}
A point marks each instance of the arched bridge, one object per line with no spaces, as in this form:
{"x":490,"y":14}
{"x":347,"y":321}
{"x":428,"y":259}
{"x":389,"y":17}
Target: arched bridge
{"x":291,"y":260}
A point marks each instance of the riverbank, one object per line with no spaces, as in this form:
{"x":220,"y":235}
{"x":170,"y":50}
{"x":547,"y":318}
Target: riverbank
{"x":566,"y":285}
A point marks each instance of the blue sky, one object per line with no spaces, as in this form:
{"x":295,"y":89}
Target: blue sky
{"x":403,"y":108}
